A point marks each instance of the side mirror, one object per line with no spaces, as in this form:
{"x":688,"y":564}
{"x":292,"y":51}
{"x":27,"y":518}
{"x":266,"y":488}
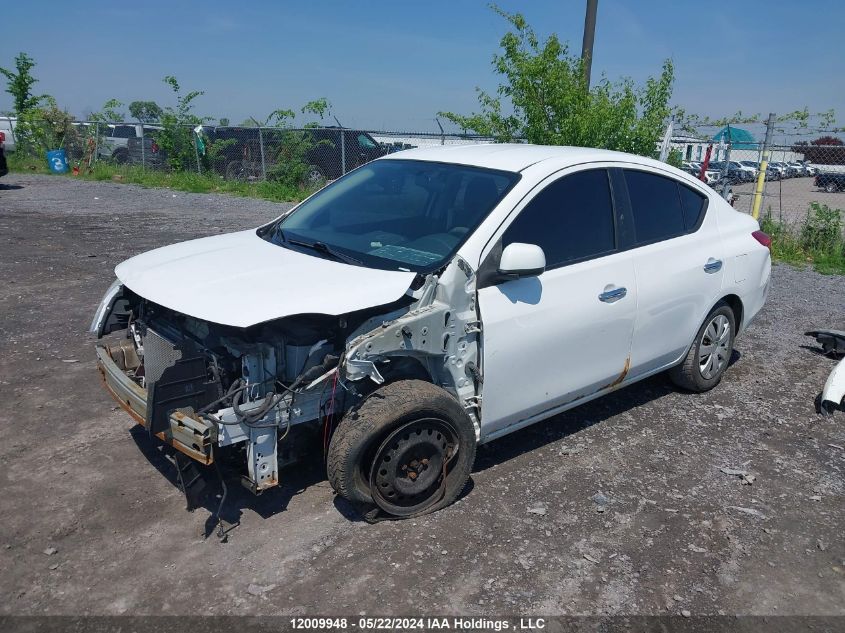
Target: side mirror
{"x":522,"y":260}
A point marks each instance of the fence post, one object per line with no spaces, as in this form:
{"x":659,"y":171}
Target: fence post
{"x":194,"y":137}
{"x":442,"y":133}
{"x":760,"y":189}
{"x":261,"y":151}
{"x":342,"y":152}
{"x":143,"y":149}
{"x":725,"y":160}
{"x":96,"y":156}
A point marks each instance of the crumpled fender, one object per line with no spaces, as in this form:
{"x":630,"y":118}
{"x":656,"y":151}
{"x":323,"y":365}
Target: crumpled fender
{"x":834,"y":389}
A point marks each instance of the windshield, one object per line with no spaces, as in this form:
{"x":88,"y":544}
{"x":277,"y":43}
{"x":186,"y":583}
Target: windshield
{"x":394,"y":214}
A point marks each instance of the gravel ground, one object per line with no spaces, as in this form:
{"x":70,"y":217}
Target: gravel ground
{"x":93,"y":524}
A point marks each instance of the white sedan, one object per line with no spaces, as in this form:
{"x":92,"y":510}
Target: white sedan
{"x":426,"y":302}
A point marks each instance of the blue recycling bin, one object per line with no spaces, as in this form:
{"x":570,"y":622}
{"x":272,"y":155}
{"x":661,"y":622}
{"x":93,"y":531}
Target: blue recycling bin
{"x":57,"y":159}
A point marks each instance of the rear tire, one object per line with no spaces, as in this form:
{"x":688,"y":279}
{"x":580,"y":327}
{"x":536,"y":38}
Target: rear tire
{"x":710,"y":353}
{"x":236,"y":171}
{"x":392,"y":451}
{"x":831,"y":187}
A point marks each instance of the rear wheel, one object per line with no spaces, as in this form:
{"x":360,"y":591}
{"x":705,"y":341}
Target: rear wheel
{"x":708,"y":357}
{"x":831,"y":187}
{"x":314,"y":177}
{"x":235,"y":170}
{"x":408,"y":450}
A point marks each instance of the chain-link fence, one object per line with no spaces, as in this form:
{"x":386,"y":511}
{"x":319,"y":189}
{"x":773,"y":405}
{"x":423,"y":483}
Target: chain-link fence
{"x":806,"y":164}
{"x":799,"y":176}
{"x":305,"y":157}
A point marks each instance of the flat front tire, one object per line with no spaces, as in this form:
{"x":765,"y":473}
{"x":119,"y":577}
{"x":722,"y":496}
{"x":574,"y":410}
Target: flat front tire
{"x":710,"y":353}
{"x":407,"y":450}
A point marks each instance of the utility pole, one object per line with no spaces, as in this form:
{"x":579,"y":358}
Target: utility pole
{"x":760,"y":189}
{"x":589,"y":36}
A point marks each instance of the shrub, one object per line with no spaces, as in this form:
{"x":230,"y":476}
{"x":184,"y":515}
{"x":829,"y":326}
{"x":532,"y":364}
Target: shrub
{"x":818,"y":240}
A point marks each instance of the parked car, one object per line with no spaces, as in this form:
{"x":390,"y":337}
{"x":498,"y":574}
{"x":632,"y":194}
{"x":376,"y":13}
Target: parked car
{"x":798,"y":168}
{"x":783,"y":169}
{"x":808,"y":168}
{"x":732,"y":174}
{"x":4,"y":166}
{"x":115,"y":144}
{"x":831,"y":182}
{"x":331,"y":152}
{"x":7,"y":126}
{"x":747,"y":173}
{"x":694,"y":169}
{"x":144,"y":151}
{"x":426,"y":302}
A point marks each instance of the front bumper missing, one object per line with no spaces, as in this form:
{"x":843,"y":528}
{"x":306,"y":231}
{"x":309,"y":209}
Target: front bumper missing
{"x":187,"y":434}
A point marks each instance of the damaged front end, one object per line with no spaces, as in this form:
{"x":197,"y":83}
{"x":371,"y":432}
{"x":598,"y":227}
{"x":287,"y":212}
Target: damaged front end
{"x":257,"y":394}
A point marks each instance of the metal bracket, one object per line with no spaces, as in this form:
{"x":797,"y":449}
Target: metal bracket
{"x":357,"y":368}
{"x":472,"y":327}
{"x":261,"y":460}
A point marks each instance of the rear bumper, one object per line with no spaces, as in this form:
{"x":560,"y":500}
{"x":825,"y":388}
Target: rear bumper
{"x":188,"y":435}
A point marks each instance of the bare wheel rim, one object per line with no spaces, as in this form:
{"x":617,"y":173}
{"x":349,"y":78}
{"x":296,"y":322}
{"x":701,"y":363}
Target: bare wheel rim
{"x":410,"y":467}
{"x":715,"y":347}
{"x":314,"y":177}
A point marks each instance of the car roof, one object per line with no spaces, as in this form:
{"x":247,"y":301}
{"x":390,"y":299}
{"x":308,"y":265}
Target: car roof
{"x":515,"y":156}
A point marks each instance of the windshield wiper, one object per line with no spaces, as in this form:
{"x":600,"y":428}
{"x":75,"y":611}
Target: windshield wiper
{"x":322,"y":247}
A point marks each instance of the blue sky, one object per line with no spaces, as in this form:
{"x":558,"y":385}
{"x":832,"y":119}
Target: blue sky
{"x":393,"y":65}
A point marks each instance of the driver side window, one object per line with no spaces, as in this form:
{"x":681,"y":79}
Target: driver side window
{"x":571,"y":219}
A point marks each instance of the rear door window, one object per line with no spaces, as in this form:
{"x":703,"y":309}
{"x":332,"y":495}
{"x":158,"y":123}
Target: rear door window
{"x":571,"y":219}
{"x":656,"y":206}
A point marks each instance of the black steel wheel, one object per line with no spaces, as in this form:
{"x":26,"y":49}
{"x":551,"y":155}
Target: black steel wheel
{"x":406,"y":450}
{"x":410,"y":467}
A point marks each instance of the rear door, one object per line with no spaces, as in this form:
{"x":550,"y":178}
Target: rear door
{"x":678,"y":259}
{"x":550,"y":340}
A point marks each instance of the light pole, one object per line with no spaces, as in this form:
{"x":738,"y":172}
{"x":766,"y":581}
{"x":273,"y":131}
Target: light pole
{"x":589,"y":36}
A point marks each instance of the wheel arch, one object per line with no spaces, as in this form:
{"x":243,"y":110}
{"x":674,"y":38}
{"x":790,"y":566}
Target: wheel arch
{"x":735,"y":304}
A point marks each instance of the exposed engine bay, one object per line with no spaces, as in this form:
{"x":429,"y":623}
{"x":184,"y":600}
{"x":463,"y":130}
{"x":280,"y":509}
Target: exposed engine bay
{"x":205,"y":388}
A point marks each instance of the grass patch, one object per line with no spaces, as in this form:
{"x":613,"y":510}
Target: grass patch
{"x":21,"y":162}
{"x":177,"y":180}
{"x":816,"y":242}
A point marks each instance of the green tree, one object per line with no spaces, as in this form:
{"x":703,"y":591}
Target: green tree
{"x":543,"y":98}
{"x":177,"y":138}
{"x":20,"y":82}
{"x":145,"y":111}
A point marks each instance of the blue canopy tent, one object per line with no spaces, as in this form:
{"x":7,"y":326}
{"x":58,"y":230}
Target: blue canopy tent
{"x":737,"y":137}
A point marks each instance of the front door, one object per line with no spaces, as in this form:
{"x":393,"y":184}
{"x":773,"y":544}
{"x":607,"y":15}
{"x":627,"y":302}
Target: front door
{"x":566,"y":334}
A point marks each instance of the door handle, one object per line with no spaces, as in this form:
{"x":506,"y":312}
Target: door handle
{"x":611,"y":296}
{"x":713,"y":265}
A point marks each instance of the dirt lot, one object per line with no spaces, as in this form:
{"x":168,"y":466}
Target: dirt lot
{"x":92,"y":522}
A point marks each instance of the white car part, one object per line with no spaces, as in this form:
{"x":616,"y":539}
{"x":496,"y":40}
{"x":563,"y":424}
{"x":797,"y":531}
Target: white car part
{"x":240,"y":279}
{"x":834,"y":389}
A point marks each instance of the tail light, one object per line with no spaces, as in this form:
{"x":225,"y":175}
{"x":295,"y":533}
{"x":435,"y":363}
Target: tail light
{"x":764,"y":238}
{"x":816,"y":180}
{"x":2,"y":139}
{"x":154,"y":147}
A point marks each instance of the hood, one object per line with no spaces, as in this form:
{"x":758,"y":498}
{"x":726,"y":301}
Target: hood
{"x":241,"y":280}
